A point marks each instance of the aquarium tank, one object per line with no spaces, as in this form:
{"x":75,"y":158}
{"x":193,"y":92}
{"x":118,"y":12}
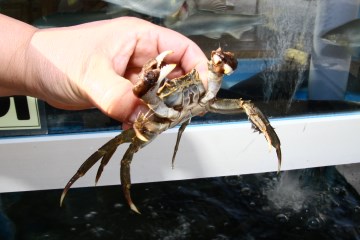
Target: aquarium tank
{"x":298,"y":61}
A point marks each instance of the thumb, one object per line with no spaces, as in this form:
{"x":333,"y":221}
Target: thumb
{"x":113,"y":95}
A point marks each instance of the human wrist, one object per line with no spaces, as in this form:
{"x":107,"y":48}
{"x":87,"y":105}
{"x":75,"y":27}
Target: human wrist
{"x":15,"y":65}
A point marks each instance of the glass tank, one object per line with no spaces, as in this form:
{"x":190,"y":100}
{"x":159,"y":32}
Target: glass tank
{"x":290,"y":63}
{"x":296,"y":58}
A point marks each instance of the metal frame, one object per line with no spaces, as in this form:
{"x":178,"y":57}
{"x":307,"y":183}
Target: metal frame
{"x":47,"y":162}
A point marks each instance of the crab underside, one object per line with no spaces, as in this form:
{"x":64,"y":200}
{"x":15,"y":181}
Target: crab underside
{"x":172,"y":102}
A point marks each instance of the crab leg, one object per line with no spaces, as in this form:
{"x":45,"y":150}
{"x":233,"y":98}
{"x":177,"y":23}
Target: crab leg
{"x":180,"y":132}
{"x":256,"y":117}
{"x":125,"y":170}
{"x":103,"y":163}
{"x":104,"y":153}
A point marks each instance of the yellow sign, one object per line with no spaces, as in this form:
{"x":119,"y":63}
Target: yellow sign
{"x":19,"y":113}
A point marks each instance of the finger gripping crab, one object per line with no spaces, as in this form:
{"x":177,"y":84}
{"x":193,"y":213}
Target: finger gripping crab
{"x":172,"y":102}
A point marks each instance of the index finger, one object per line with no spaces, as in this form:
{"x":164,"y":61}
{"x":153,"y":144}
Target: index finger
{"x":186,"y":53}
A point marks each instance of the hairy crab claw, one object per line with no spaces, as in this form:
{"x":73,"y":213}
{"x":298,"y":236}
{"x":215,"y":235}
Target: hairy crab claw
{"x":152,"y":74}
{"x":166,"y":69}
{"x":160,"y":58}
{"x":151,"y":79}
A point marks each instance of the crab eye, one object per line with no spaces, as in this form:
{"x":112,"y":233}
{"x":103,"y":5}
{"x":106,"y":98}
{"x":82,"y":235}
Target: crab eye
{"x":227,"y":69}
{"x":217,"y":59}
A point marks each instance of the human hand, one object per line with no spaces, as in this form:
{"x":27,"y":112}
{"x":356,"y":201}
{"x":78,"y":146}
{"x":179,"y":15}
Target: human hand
{"x":96,"y":64}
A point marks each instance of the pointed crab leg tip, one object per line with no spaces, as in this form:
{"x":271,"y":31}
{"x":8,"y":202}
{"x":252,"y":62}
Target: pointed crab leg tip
{"x":279,"y":160}
{"x":62,"y":199}
{"x":140,"y":136}
{"x":134,"y":208}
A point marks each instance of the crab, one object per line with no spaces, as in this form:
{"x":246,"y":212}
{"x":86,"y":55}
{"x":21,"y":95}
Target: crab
{"x":172,"y":102}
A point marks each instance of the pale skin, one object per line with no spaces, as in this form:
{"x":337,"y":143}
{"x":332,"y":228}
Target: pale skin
{"x":89,"y":65}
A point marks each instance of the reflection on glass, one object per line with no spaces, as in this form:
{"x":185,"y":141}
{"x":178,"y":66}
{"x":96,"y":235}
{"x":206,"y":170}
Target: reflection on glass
{"x":330,"y":64}
{"x":288,"y":65}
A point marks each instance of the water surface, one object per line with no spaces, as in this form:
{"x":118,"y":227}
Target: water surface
{"x":304,"y":204}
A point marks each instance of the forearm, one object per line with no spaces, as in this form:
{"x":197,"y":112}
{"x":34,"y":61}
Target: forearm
{"x":15,"y":66}
{"x":88,"y":65}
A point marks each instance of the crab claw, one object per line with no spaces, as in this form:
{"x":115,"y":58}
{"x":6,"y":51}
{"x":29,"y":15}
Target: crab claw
{"x":165,"y":70}
{"x":160,"y":58}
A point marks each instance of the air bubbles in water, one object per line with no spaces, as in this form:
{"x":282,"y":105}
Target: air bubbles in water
{"x":181,"y":231}
{"x":289,"y":31}
{"x":118,"y":205}
{"x":220,"y":237}
{"x":210,"y":227}
{"x":252,"y":204}
{"x":99,"y":232}
{"x":233,"y":180}
{"x":282,"y":218}
{"x":246,"y":191}
{"x":357,"y":209}
{"x":313,"y":223}
{"x":339,"y":191}
{"x":287,"y":192}
{"x":90,"y":215}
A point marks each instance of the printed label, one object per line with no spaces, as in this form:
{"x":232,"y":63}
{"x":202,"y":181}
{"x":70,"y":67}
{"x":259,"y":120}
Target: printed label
{"x":19,"y":112}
